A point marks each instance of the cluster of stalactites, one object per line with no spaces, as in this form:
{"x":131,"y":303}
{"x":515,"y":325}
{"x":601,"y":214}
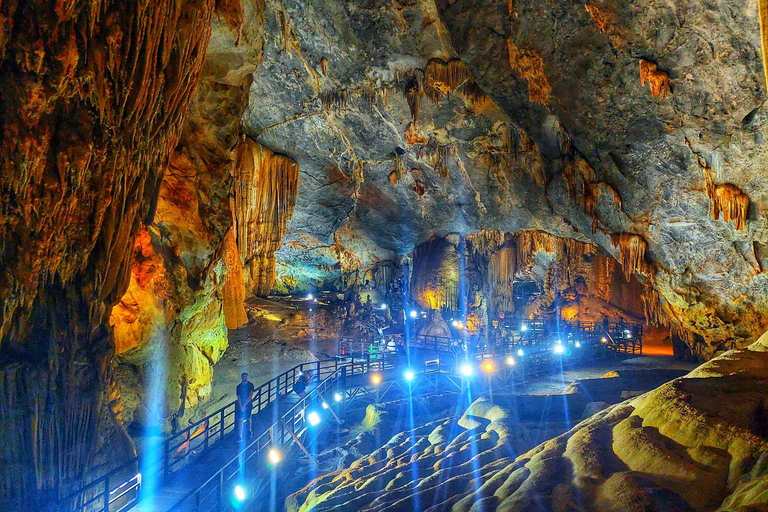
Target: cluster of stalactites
{"x":503,"y":267}
{"x":580,"y":180}
{"x":487,"y":241}
{"x":653,"y":307}
{"x":727,"y":199}
{"x":657,"y":79}
{"x":265,"y":194}
{"x":438,"y":79}
{"x":632,"y":249}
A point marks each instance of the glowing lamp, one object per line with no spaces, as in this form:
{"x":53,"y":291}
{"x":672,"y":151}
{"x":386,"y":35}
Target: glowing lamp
{"x":376,"y":379}
{"x":520,"y":352}
{"x":455,"y":323}
{"x":310,"y":297}
{"x":239,"y":493}
{"x":559,"y":342}
{"x":413,"y":313}
{"x":337,"y":397}
{"x":603,"y":340}
{"x":578,"y":344}
{"x":313,"y":418}
{"x":559,"y":349}
{"x":409,"y":375}
{"x":383,"y":306}
{"x":523,"y":327}
{"x":325,"y":405}
{"x":488,"y":367}
{"x":273,"y":456}
{"x":466,"y":370}
{"x":510,"y":361}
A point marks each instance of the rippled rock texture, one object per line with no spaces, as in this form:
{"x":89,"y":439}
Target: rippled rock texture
{"x":695,"y":443}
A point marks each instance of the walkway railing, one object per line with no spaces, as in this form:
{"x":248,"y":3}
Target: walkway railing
{"x":119,"y":488}
{"x":289,"y":430}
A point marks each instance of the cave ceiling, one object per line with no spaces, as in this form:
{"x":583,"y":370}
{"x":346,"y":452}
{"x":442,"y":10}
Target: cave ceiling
{"x":570,"y":140}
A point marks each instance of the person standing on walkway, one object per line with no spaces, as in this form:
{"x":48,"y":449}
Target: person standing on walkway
{"x":300,"y":386}
{"x":243,"y":405}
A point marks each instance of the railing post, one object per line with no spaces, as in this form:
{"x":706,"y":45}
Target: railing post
{"x":166,"y":464}
{"x":106,"y":493}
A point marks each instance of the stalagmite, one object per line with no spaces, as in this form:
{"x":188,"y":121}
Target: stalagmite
{"x":234,"y":287}
{"x":657,"y":80}
{"x":632,"y":250}
{"x":264,"y":201}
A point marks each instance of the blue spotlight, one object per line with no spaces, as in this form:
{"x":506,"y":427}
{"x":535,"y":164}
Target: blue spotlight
{"x":239,"y":493}
{"x":559,"y":349}
{"x":466,"y":370}
{"x":409,"y":375}
{"x":313,"y":418}
{"x":520,"y":353}
{"x":413,"y":313}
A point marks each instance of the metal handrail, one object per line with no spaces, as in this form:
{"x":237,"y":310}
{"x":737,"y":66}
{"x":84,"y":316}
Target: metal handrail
{"x":277,"y":434}
{"x":207,"y":431}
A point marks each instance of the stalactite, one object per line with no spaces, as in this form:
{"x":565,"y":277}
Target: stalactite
{"x":475,"y":94}
{"x":731,"y":202}
{"x":335,"y":99}
{"x":502,"y":269}
{"x":529,"y":65}
{"x":398,"y":165}
{"x":655,"y":314}
{"x":442,"y":77}
{"x":591,"y":198}
{"x":530,"y":242}
{"x":763,"y":13}
{"x":264,"y":199}
{"x":233,"y":290}
{"x":487,"y":241}
{"x":94,"y":97}
{"x":632,"y":249}
{"x":657,"y":79}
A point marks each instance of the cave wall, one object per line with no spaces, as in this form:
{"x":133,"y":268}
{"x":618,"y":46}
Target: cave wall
{"x":93,"y":98}
{"x":176,"y":311}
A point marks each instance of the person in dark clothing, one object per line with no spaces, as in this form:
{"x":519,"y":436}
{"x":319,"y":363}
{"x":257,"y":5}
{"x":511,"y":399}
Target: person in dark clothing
{"x":300,"y":386}
{"x":243,"y":405}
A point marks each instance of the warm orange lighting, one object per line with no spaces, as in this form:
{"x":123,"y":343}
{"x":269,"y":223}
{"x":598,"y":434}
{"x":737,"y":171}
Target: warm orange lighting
{"x":376,"y":379}
{"x":488,"y":367}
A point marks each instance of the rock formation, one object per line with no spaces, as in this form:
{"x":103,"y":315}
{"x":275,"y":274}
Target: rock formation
{"x":93,"y":97}
{"x":695,"y":443}
{"x":161,"y":161}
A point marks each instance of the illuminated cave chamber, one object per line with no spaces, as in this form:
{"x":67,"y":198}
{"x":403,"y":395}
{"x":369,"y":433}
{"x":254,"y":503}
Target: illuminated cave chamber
{"x":493,"y":281}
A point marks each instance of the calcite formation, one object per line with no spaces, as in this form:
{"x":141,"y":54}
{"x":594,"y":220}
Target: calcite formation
{"x":657,"y":79}
{"x":93,"y":97}
{"x":266,"y":185}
